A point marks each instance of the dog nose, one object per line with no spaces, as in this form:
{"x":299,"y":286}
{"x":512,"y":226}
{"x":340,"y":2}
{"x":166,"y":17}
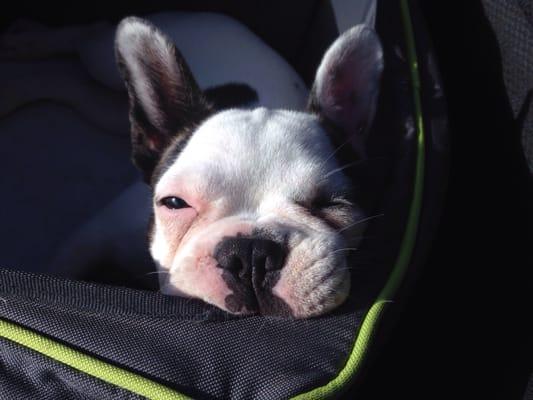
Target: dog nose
{"x":246,"y":256}
{"x":251,"y":269}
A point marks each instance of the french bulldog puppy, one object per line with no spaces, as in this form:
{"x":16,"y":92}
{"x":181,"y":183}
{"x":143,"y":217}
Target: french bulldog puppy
{"x":252,"y":211}
{"x":246,"y":194}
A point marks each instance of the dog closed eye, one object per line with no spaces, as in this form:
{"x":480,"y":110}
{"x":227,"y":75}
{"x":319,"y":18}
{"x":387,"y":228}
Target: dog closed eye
{"x":333,"y":208}
{"x":324,"y":200}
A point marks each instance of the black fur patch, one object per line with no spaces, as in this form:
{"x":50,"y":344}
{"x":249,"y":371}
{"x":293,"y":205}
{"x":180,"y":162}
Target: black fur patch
{"x":181,"y":105}
{"x":171,"y":153}
{"x":177,"y":97}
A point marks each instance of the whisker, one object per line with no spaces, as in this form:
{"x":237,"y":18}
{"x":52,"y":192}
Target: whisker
{"x":360,"y":222}
{"x":364,"y":237}
{"x":336,"y":151}
{"x":157,"y":273}
{"x":345,"y":249}
{"x":342,"y":168}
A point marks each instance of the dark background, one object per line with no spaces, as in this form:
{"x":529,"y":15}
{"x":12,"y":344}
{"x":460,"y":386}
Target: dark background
{"x":464,"y":331}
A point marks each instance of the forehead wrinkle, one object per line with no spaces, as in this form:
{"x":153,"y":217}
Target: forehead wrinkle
{"x":247,"y":154}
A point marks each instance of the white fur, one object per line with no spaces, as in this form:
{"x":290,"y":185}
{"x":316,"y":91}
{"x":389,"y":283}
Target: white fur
{"x":253,"y":168}
{"x":262,"y":153}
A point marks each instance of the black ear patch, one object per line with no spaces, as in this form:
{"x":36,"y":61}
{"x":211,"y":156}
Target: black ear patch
{"x":164,"y":98}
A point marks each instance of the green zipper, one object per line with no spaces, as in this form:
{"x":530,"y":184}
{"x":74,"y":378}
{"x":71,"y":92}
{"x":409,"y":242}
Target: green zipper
{"x":90,"y":365}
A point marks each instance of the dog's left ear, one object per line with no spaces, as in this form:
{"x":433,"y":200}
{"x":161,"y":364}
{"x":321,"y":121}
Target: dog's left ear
{"x":165,"y":100}
{"x":346,"y":86}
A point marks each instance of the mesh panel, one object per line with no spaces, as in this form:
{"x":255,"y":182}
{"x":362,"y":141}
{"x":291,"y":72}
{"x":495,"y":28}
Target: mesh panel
{"x":27,"y":375}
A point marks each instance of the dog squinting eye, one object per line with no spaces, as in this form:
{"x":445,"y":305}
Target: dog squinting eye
{"x":325,"y":202}
{"x":173,"y":203}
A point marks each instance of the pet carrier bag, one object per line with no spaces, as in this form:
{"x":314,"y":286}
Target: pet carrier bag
{"x":70,"y":339}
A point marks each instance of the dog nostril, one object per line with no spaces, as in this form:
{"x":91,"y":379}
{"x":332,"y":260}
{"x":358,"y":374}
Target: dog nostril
{"x":234,"y":256}
{"x":268,"y":255}
{"x":237,"y":267}
{"x":233,"y":264}
{"x":274,"y":262}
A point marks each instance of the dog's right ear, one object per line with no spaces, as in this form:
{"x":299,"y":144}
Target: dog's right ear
{"x":346,"y":86}
{"x":164,"y":99}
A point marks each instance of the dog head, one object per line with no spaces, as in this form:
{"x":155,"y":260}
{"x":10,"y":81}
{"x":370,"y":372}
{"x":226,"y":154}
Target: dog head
{"x":252,"y":210}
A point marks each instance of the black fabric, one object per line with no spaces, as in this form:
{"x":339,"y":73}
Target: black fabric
{"x":383,"y":363}
{"x":205,"y":353}
{"x":512,"y":22}
{"x":528,"y":395}
{"x":28,"y":375}
{"x":466,"y":330}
